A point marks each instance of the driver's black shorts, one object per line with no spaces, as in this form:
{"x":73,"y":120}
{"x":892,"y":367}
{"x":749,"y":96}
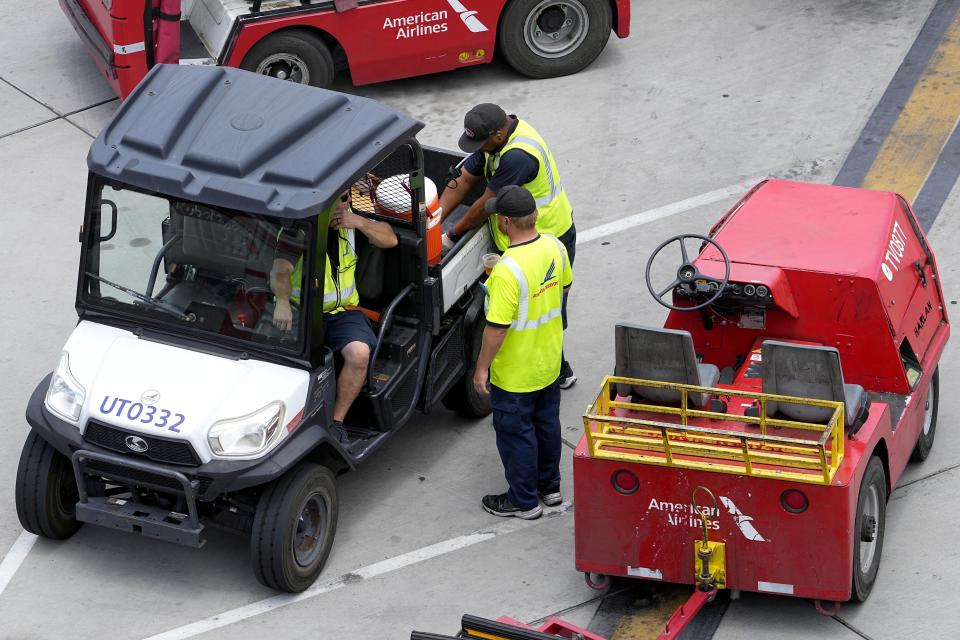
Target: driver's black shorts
{"x":340,"y":329}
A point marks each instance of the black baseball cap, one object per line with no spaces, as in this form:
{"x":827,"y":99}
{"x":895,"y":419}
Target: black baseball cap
{"x":479,"y":124}
{"x":512,"y":202}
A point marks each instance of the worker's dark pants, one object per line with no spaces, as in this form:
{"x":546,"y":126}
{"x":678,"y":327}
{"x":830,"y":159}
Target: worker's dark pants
{"x":528,"y":439}
{"x":569,"y":240}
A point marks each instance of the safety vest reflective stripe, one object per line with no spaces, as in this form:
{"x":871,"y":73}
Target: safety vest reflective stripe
{"x":523,"y":323}
{"x":343,"y":295}
{"x":555,"y":189}
{"x":340,"y":289}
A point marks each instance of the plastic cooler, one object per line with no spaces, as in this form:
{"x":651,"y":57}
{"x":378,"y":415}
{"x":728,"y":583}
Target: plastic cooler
{"x":392,"y":199}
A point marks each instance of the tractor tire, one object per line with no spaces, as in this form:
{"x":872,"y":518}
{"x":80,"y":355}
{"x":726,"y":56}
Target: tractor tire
{"x":293,"y":528}
{"x":462,"y":398}
{"x":550,"y":38}
{"x":295,"y":55}
{"x":46,"y":491}
{"x":929,"y":430}
{"x":869,"y":525}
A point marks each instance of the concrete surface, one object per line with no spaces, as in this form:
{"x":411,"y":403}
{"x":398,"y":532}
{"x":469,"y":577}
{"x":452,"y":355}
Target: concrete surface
{"x":703,"y":95}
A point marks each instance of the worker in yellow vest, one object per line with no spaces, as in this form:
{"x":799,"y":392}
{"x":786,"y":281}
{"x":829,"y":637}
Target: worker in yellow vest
{"x":346,"y":331}
{"x":505,"y":150}
{"x":520,"y":356}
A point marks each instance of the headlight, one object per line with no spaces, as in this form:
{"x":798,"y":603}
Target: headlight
{"x":248,"y":435}
{"x":65,"y":396}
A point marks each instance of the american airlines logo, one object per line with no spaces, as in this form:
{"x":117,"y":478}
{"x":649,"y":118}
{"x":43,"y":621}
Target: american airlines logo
{"x":469,"y":17}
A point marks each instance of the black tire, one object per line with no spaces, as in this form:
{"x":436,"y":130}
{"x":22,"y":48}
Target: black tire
{"x":526,"y":43}
{"x":462,"y":398}
{"x":299,"y":56}
{"x":869,"y":525}
{"x":929,"y":429}
{"x":277,"y":525}
{"x":46,"y":491}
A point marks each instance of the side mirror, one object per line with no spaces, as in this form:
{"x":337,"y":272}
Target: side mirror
{"x":113,"y":218}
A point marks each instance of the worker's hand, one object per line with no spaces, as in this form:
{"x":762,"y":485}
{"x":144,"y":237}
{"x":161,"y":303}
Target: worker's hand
{"x":346,"y":219}
{"x":447,"y":243}
{"x":283,"y":315}
{"x":480,"y":377}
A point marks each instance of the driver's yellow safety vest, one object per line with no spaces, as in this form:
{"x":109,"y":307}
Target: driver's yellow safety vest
{"x":525,"y":296}
{"x":555,"y":211}
{"x":339,"y":291}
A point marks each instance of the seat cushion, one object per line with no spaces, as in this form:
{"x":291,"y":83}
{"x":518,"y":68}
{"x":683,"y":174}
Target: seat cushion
{"x":709,"y":377}
{"x":855,"y":399}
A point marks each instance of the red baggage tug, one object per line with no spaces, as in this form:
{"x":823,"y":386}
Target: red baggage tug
{"x":794,"y":378}
{"x":375,"y":40}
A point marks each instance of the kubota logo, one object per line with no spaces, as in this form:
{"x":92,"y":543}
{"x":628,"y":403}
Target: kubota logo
{"x":469,"y":17}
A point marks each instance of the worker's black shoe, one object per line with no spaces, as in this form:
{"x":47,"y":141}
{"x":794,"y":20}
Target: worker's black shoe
{"x":552,"y":496}
{"x":500,"y":506}
{"x":567,"y":377}
{"x":340,"y":432}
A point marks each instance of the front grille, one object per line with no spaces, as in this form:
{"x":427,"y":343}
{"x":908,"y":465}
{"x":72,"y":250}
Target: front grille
{"x":142,"y":478}
{"x":158,"y":449}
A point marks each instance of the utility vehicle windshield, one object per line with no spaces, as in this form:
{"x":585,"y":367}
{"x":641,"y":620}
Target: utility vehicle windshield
{"x":192,"y":266}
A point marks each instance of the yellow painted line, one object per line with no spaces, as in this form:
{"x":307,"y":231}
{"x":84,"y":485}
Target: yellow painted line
{"x":910,"y":151}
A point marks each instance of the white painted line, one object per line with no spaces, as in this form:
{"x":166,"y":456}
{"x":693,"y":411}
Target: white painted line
{"x":651,"y":215}
{"x":364,"y":573}
{"x":15,"y":557}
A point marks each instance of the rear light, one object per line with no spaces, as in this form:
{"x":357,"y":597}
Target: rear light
{"x":625,"y":482}
{"x":794,"y":501}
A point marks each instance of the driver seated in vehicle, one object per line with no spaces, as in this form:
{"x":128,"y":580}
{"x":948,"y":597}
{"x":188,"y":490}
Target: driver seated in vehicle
{"x":346,"y":331}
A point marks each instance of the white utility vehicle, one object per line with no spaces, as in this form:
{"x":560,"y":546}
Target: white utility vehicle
{"x":176,"y":403}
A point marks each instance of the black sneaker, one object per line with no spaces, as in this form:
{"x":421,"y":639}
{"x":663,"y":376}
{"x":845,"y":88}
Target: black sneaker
{"x":552,"y":496}
{"x":567,"y":377}
{"x":340,"y":432}
{"x":499,"y":505}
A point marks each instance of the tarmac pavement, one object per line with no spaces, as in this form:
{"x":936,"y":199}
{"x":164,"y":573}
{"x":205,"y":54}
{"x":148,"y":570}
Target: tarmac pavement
{"x":700,"y":97}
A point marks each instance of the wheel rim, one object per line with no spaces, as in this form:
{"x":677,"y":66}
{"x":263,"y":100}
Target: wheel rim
{"x":928,"y":412}
{"x":869,"y":528}
{"x":556,"y":28}
{"x":310,"y":531}
{"x":285,"y":66}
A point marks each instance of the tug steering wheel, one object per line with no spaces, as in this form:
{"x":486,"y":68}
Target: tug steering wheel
{"x":689,"y":278}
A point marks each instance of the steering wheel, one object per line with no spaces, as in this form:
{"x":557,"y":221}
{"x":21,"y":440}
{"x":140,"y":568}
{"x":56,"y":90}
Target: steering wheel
{"x":688,"y":275}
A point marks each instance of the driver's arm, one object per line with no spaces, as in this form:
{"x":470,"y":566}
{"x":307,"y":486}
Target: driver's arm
{"x":280,"y":274}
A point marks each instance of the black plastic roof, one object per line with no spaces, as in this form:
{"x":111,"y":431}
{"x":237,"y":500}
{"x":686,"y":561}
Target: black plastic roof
{"x":235,"y":139}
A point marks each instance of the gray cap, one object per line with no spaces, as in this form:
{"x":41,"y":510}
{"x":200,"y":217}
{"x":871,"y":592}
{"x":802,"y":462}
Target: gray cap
{"x":512,"y":202}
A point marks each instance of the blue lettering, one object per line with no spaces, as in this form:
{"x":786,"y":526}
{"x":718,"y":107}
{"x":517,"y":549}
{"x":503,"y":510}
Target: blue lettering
{"x":130,"y":411}
{"x":149,"y":417}
{"x":174,"y":427}
{"x":164,"y":416}
{"x":103,"y":406}
{"x":123,"y":404}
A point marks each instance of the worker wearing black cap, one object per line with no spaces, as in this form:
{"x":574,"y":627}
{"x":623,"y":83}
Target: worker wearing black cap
{"x":520,"y":356}
{"x":505,"y":150}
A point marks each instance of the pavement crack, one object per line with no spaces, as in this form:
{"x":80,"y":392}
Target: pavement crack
{"x":927,"y":477}
{"x":573,"y":607}
{"x":851,"y":627}
{"x":58,"y":115}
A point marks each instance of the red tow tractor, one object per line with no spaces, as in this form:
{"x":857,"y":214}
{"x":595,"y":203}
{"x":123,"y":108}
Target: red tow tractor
{"x":375,"y":40}
{"x":752,"y":443}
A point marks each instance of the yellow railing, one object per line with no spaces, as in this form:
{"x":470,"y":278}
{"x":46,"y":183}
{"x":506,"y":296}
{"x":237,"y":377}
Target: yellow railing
{"x":721,"y":442}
